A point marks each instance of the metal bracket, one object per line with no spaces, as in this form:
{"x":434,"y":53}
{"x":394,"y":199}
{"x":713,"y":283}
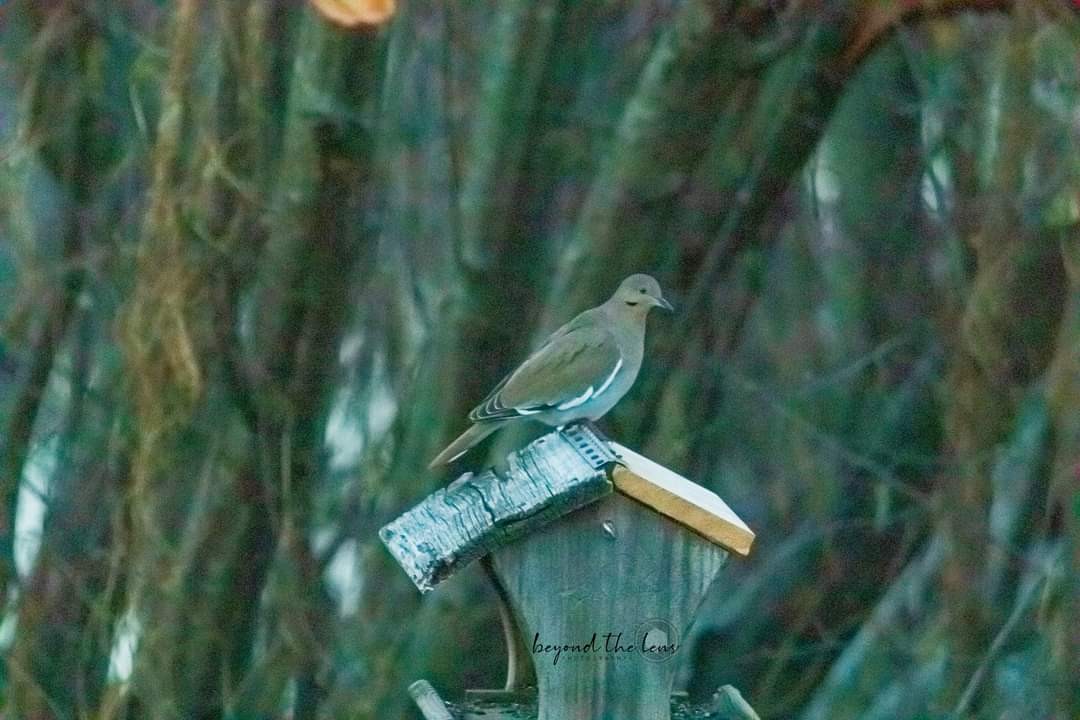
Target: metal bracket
{"x":590,"y":444}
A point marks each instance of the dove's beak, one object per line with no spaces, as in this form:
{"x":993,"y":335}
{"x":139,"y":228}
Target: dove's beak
{"x":662,"y":303}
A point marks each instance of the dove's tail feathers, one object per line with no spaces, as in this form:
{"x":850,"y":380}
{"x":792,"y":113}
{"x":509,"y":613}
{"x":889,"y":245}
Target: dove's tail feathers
{"x":464,"y":443}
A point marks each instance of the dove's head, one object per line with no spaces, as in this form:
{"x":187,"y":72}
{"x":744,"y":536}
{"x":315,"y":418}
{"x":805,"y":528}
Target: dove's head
{"x":639,"y":294}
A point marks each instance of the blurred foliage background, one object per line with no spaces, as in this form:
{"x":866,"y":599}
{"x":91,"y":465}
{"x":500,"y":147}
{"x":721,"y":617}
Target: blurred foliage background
{"x":258,"y":258}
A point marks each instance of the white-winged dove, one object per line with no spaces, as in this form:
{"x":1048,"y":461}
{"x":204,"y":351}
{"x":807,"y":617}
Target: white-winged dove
{"x":579,"y":372}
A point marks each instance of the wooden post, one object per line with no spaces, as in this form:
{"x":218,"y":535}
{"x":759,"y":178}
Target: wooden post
{"x":605,"y":596}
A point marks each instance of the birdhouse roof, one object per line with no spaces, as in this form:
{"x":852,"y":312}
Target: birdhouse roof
{"x":682,"y":500}
{"x":552,"y":476}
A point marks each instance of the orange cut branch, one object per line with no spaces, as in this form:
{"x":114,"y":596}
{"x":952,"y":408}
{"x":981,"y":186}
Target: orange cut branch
{"x":354,"y":13}
{"x":879,"y":17}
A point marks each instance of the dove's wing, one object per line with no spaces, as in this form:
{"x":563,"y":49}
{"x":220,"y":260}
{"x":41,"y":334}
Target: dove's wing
{"x":576,"y":364}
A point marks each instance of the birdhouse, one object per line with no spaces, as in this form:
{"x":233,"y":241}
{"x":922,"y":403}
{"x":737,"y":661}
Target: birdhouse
{"x":601,"y":558}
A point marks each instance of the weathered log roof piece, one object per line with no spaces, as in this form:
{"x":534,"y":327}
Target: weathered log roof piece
{"x":682,"y":500}
{"x":554,"y":475}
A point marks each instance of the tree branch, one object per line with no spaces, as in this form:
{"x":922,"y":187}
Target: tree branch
{"x":876,"y":20}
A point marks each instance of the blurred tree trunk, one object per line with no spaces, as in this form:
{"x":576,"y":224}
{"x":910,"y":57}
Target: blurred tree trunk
{"x":185,"y":543}
{"x":1064,"y":394}
{"x":306,"y":257}
{"x":60,"y":114}
{"x":67,"y":610}
{"x":75,"y":593}
{"x":320,"y":252}
{"x":997,"y":352}
{"x":207,"y":542}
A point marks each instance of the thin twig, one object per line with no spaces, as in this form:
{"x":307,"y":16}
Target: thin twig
{"x":1023,"y":602}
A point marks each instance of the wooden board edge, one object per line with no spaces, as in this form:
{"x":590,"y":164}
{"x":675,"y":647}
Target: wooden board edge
{"x":632,"y":459}
{"x":730,"y":536}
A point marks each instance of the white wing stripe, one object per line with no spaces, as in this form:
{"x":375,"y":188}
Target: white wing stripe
{"x":610,"y":378}
{"x":589,"y":393}
{"x":574,"y":402}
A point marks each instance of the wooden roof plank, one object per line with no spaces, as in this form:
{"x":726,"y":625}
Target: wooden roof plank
{"x":680,"y":499}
